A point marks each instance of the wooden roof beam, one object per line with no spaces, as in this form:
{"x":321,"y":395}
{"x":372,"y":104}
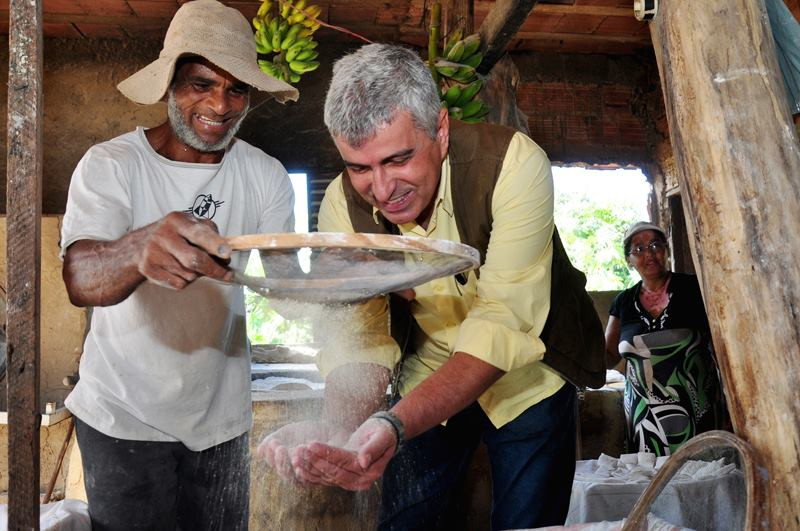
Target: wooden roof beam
{"x":499,"y":28}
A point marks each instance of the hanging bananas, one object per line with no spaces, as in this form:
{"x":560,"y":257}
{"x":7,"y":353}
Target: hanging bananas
{"x":459,"y":81}
{"x":284,"y":39}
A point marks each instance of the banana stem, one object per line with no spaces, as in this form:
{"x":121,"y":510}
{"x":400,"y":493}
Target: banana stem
{"x":433,"y":40}
{"x":331,"y":26}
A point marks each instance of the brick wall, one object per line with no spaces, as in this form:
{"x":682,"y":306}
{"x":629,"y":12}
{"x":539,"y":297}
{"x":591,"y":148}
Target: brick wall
{"x":588,"y":108}
{"x":571,"y":120}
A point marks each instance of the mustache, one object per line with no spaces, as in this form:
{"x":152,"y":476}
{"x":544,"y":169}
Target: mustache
{"x":188,"y":136}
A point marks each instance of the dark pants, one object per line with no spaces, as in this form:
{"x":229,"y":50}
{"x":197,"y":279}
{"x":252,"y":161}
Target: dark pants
{"x":164,"y":485}
{"x":532,"y":461}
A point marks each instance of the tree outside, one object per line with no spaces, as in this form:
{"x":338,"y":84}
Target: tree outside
{"x":266,"y":327}
{"x":592,"y":210}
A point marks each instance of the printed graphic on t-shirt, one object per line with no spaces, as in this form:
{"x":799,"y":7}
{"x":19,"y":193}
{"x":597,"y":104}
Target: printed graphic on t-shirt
{"x":204,"y":206}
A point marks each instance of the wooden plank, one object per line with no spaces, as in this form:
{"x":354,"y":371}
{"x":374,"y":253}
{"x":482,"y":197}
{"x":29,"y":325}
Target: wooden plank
{"x":148,"y":8}
{"x":65,"y":6}
{"x":551,"y":9}
{"x":23,"y":256}
{"x":499,"y":27}
{"x":737,"y":153}
{"x":128,"y":21}
{"x":622,"y":26}
{"x":106,"y":7}
{"x":584,"y":24}
{"x":583,"y":38}
{"x":100,"y":31}
{"x":61,"y":31}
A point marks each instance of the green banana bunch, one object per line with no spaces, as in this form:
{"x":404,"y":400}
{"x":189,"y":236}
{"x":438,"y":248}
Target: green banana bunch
{"x":467,"y":94}
{"x":473,"y":112}
{"x":301,"y":67}
{"x":291,"y":36}
{"x":452,"y":95}
{"x":284,"y":38}
{"x":472,"y":44}
{"x":263,"y":9}
{"x":459,"y":80}
{"x":460,"y":57}
{"x":451,"y":39}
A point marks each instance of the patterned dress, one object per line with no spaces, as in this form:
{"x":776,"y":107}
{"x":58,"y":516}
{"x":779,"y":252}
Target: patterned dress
{"x":672,"y":388}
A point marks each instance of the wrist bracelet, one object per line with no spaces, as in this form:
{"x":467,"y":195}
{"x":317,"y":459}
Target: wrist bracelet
{"x":396,"y":423}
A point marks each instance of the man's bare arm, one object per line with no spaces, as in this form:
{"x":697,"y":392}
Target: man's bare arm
{"x":171,"y":252}
{"x":451,"y":388}
{"x":353,"y":392}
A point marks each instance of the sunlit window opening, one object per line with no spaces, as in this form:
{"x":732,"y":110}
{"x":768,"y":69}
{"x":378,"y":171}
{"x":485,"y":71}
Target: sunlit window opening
{"x":592,"y":210}
{"x":265,"y":325}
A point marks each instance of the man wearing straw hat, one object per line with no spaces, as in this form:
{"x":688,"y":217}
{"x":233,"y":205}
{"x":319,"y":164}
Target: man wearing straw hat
{"x":163,"y":407}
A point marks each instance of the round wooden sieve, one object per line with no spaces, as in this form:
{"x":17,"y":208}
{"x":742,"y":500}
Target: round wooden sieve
{"x":346,"y":267}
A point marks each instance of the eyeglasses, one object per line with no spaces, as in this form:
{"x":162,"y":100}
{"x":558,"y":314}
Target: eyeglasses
{"x":654,"y":247}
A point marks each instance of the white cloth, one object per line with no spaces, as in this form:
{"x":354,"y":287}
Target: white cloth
{"x":701,"y":495}
{"x":64,"y":515}
{"x":166,"y":365}
{"x":653,"y":524}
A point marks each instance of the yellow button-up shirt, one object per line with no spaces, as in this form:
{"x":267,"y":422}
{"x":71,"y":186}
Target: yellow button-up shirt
{"x":497,"y":317}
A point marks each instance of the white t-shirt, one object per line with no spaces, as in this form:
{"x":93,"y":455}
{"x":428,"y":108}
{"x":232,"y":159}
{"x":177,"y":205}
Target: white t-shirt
{"x":166,"y":365}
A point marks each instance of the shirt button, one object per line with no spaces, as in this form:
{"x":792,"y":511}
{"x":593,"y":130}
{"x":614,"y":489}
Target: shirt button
{"x":438,"y":288}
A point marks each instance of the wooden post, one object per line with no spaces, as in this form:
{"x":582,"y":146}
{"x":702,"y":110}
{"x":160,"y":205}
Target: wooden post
{"x":739,"y":164}
{"x":502,"y":77}
{"x":499,"y":92}
{"x":23,"y":254}
{"x":457,"y":14}
{"x":499,"y":28}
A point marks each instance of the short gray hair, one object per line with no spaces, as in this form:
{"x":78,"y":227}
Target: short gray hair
{"x":370,"y":85}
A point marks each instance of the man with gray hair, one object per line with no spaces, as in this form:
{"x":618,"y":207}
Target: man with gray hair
{"x":162,"y":408}
{"x":473,"y":368}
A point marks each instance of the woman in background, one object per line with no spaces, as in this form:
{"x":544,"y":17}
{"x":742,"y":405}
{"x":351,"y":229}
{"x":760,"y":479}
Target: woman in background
{"x":659,"y":327}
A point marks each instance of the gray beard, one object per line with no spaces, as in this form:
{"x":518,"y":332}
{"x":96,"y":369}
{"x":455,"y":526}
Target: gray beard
{"x":186,"y":134}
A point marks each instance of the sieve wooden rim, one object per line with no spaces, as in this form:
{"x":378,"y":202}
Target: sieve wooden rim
{"x":385,"y":242}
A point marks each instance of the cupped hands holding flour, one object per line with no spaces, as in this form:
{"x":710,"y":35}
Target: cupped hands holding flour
{"x":346,"y":447}
{"x":356,"y":466}
{"x":320,"y":453}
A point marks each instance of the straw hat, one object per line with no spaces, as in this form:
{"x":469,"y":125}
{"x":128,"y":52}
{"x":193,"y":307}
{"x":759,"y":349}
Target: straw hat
{"x":211,"y":30}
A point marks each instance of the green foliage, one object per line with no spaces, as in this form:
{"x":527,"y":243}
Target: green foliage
{"x":592,"y":233}
{"x":265,"y":326}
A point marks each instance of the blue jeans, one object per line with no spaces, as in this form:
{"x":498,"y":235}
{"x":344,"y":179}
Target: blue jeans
{"x":164,"y":485}
{"x":532,"y":461}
